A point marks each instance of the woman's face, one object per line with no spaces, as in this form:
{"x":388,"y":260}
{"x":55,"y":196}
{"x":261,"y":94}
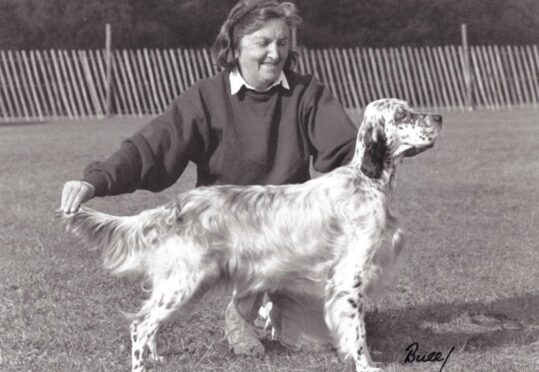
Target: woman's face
{"x":262,"y":54}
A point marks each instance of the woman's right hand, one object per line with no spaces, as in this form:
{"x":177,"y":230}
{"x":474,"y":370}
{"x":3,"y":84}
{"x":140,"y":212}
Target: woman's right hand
{"x":74,"y":194}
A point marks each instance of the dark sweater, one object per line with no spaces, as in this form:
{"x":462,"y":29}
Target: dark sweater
{"x":249,"y":138}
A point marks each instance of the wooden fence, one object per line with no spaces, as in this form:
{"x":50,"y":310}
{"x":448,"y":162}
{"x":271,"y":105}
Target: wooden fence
{"x":39,"y":85}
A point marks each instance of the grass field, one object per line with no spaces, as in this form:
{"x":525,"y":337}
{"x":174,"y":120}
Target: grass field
{"x":468,"y":277}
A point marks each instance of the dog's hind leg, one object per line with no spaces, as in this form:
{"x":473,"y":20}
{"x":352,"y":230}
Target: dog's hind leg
{"x":175,"y":294}
{"x":344,"y":313}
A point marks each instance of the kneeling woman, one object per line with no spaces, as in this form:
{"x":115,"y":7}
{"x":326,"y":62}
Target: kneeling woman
{"x":255,"y":122}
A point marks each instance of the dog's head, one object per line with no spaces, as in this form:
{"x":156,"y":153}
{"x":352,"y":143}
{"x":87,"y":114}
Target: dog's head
{"x":390,"y":130}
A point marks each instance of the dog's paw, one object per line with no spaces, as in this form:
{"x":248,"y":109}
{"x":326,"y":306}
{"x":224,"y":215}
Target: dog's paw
{"x":155,"y":357}
{"x":370,"y":369}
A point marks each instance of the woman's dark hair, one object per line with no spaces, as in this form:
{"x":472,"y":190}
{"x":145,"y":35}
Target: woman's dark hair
{"x":246,"y":17}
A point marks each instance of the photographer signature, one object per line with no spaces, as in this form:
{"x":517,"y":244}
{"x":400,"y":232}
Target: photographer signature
{"x":436,"y":356}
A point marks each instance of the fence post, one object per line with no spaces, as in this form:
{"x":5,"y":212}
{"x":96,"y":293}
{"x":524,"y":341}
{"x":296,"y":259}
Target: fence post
{"x":467,"y":67}
{"x":108,"y":65}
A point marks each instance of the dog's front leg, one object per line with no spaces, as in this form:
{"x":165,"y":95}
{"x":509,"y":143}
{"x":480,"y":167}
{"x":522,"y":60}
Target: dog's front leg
{"x":344,"y":312}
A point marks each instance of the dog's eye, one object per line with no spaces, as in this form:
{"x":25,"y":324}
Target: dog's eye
{"x":399,"y":115}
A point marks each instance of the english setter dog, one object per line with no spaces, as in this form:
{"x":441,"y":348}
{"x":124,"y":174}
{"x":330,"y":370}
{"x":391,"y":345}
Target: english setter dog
{"x":333,"y":236}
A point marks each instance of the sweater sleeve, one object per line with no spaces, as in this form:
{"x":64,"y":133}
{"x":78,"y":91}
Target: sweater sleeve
{"x":154,"y":157}
{"x":331,"y":133}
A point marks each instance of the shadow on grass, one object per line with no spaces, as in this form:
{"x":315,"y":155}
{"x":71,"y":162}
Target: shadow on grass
{"x":471,"y":327}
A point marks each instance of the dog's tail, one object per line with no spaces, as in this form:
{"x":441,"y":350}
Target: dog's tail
{"x":124,"y":241}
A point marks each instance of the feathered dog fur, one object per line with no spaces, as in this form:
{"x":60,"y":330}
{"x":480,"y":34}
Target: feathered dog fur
{"x":333,"y":236}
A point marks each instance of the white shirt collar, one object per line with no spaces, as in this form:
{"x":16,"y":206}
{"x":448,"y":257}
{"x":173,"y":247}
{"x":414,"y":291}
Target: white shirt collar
{"x":237,"y":81}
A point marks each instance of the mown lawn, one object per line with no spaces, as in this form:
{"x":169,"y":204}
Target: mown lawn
{"x":468,"y":278}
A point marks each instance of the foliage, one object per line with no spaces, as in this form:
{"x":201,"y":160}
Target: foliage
{"x":418,"y":22}
{"x":42,"y":24}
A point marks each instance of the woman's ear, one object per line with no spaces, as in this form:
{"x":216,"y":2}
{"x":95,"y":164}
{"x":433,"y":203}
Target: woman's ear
{"x":374,"y":142}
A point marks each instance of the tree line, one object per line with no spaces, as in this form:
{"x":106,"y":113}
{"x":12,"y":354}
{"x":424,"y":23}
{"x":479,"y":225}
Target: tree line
{"x":80,"y":24}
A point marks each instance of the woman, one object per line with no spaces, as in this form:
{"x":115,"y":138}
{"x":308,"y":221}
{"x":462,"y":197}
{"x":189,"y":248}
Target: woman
{"x":255,"y":122}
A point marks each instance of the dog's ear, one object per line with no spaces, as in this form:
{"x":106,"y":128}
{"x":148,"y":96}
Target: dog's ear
{"x":375,"y":146}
